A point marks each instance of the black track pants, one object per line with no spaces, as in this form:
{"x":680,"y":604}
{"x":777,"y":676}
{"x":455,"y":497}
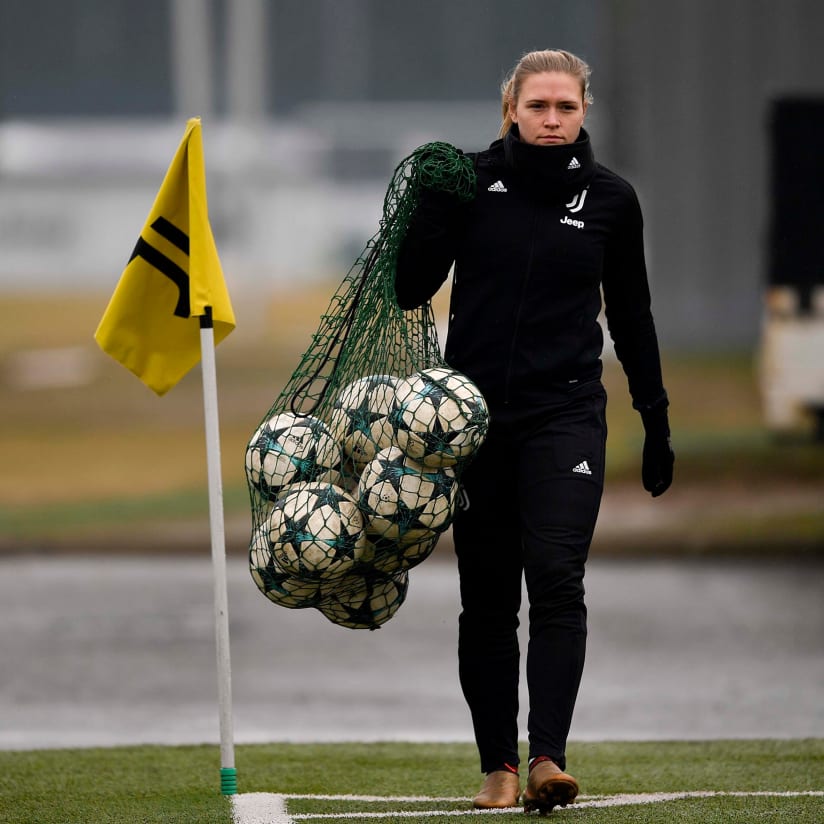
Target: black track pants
{"x":533,"y":493}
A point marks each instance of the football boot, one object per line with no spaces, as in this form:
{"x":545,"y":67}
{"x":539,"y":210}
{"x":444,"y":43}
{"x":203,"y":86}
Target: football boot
{"x":548,"y":786}
{"x":500,"y":789}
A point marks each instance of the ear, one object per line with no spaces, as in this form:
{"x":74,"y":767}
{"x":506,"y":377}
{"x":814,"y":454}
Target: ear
{"x":513,"y":116}
{"x":585,"y":107}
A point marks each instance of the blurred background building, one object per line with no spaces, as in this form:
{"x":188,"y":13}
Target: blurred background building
{"x":308,"y":105}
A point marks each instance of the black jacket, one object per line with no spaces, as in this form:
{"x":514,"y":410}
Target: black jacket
{"x":548,"y":227}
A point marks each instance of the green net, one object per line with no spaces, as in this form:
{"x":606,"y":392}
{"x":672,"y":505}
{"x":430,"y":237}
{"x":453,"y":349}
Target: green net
{"x":353,"y":471}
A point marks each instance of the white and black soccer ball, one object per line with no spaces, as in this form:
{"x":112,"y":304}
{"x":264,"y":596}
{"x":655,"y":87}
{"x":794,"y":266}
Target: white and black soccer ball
{"x":391,"y":556}
{"x":360,"y":417}
{"x":364,"y":601}
{"x":440,"y":417}
{"x":288,"y":449}
{"x":315,"y":531}
{"x":405,"y":501}
{"x":278,"y":586}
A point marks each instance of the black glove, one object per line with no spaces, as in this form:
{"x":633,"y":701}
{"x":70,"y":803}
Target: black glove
{"x":658,"y":457}
{"x":436,"y":207}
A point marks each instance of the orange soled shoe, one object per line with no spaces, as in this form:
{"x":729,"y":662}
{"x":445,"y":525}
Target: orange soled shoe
{"x":500,"y":789}
{"x":548,"y":786}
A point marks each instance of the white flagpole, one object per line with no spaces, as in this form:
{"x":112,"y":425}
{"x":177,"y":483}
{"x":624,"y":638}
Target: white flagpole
{"x":228,"y":773}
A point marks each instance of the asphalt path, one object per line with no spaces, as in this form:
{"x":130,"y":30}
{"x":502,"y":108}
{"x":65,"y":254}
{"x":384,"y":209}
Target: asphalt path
{"x":99,"y":652}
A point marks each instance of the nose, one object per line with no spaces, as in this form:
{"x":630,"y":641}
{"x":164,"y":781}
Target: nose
{"x":551,"y":117}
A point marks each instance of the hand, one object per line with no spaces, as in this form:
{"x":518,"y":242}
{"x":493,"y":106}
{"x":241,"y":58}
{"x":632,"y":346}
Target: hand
{"x":437,"y":205}
{"x":658,"y":457}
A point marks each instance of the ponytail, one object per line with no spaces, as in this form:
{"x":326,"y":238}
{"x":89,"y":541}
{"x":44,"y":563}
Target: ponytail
{"x":507,"y":97}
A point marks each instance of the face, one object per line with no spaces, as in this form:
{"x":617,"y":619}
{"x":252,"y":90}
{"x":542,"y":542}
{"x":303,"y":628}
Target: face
{"x":550,"y":109}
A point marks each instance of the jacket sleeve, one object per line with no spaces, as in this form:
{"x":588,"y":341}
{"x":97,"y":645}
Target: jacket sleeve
{"x":427,"y":250}
{"x":628,"y":308}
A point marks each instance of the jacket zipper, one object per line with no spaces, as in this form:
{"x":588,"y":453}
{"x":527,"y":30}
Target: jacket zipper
{"x":525,"y":281}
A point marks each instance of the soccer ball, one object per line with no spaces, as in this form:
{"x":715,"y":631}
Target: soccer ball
{"x":364,"y":601}
{"x":278,"y":586}
{"x":440,"y":417}
{"x":404,"y":501}
{"x":390,"y":556}
{"x":360,"y":417}
{"x":289,"y":448}
{"x":316,"y":531}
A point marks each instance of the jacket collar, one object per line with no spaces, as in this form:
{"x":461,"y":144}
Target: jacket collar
{"x":568,"y":167}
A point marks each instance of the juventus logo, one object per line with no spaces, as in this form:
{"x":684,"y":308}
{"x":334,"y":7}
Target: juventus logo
{"x":165,"y":265}
{"x":577,"y":202}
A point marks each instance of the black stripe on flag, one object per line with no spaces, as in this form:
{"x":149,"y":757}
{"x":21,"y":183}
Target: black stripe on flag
{"x":168,"y":267}
{"x":174,"y":235}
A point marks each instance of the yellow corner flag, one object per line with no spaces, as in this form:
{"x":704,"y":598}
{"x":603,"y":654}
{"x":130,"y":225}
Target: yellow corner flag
{"x":152,"y":322}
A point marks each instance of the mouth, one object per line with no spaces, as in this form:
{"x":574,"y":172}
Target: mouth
{"x":551,"y":138}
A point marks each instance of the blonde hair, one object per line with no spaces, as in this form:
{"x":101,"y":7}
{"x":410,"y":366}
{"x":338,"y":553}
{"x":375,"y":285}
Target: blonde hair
{"x":535,"y":62}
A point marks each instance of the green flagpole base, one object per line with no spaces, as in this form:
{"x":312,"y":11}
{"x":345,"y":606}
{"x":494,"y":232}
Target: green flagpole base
{"x":228,"y":781}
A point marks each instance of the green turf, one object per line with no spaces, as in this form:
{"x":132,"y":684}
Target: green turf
{"x":181,"y":784}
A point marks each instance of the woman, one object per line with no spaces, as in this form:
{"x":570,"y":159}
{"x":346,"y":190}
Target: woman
{"x":547,"y":230}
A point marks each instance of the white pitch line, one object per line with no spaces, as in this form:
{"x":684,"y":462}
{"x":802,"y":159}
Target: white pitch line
{"x":259,"y":808}
{"x":629,"y":799}
{"x":270,"y":808}
{"x":376,"y":798}
{"x":393,"y":814}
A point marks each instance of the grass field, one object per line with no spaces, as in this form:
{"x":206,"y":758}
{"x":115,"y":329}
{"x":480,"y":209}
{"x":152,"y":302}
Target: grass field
{"x":710,"y":782}
{"x":94,"y":451}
